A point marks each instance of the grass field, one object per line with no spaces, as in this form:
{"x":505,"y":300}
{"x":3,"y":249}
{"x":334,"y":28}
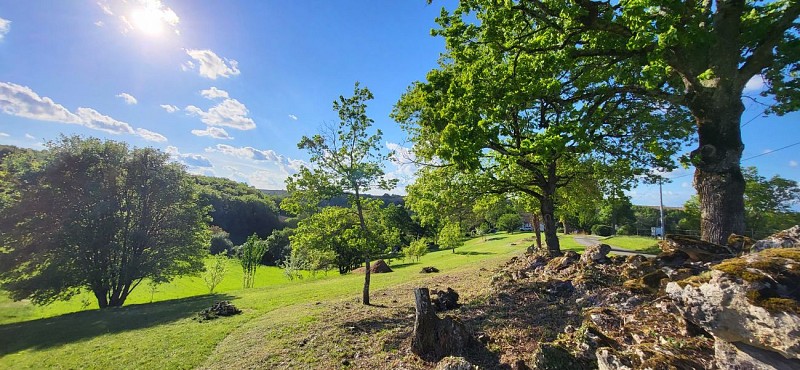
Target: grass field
{"x":162,"y":334}
{"x":641,"y":244}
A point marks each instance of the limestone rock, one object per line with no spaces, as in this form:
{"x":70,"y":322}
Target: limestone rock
{"x":595,"y":253}
{"x":739,"y":356}
{"x":453,"y":363}
{"x":696,"y":249}
{"x":789,"y":238}
{"x":608,"y":360}
{"x":751,"y":300}
{"x":648,"y":284}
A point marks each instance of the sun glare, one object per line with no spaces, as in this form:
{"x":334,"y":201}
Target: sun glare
{"x":148,"y":21}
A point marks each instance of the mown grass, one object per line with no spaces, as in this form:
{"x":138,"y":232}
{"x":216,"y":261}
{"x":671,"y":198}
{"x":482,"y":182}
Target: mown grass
{"x":163,"y":335}
{"x":641,"y":244}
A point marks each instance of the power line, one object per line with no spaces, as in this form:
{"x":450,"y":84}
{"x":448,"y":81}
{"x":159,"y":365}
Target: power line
{"x":748,"y":158}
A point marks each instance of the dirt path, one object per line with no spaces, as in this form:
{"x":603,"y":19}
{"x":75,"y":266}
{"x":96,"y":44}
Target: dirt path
{"x":589,"y":240}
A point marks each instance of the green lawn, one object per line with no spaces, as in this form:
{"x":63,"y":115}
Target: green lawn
{"x":635,"y":243}
{"x":162,"y":334}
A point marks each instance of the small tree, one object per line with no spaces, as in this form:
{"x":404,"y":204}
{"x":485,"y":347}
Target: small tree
{"x":250,"y":254}
{"x":450,"y":236}
{"x":509,"y":222}
{"x":221,"y":243}
{"x":416,"y":249}
{"x":215,"y":272}
{"x":293,"y":265}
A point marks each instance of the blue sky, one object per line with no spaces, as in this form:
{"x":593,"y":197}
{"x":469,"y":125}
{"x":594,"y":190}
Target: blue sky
{"x":229,"y":87}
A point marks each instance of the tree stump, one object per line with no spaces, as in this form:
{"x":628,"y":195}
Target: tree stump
{"x":435,"y":338}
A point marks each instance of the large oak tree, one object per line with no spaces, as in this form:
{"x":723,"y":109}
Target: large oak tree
{"x":88,"y":214}
{"x":698,"y":55}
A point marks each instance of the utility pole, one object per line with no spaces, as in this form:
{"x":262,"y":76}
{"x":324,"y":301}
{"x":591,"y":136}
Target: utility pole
{"x":661,"y":209}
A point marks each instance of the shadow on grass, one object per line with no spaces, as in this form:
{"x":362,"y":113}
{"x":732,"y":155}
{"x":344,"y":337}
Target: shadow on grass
{"x":496,"y":238}
{"x":473,"y":253}
{"x":73,"y":327}
{"x":401,"y":265}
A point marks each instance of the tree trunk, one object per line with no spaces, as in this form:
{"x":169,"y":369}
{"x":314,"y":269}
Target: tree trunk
{"x":718,"y":176}
{"x":424,"y":323}
{"x":365,"y":293}
{"x":547,"y":207}
{"x":100,"y":294}
{"x":537,"y":226}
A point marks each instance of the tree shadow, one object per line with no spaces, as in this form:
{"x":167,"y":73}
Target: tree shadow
{"x":400,"y":265}
{"x":496,"y":238}
{"x":73,"y":327}
{"x":473,"y":253}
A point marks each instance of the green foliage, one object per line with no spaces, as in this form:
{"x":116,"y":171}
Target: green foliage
{"x":250,"y":254}
{"x":293,"y":265}
{"x":278,"y":246}
{"x":237,"y":208}
{"x":215,"y":272}
{"x":450,"y":236}
{"x":416,"y":249}
{"x":602,"y":230}
{"x":347,"y":159}
{"x":768,"y":202}
{"x":626,"y":230}
{"x":509,"y":222}
{"x":221,"y":243}
{"x":96,"y":215}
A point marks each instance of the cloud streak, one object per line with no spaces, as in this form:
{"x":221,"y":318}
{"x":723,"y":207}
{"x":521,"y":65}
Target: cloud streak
{"x":211,"y":65}
{"x":5,"y":28}
{"x":227,"y":113}
{"x":127,"y":98}
{"x":213,"y":132}
{"x":22,"y":101}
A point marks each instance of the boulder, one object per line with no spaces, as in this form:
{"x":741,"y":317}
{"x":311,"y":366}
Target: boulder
{"x":748,"y":301}
{"x":379,"y":267}
{"x":445,"y":300}
{"x":741,"y":356}
{"x":696,"y":249}
{"x":648,"y":284}
{"x":453,"y":363}
{"x":595,"y":253}
{"x":789,"y":238}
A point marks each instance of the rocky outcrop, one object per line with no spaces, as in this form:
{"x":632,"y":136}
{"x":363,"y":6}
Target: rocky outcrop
{"x":696,"y":249}
{"x":454,"y":363}
{"x":596,"y":253}
{"x":751,"y":304}
{"x":789,"y":238}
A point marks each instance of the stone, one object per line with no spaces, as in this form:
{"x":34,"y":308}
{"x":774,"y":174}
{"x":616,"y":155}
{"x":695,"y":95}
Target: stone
{"x":673,"y":258}
{"x":428,"y":270}
{"x":751,"y":300}
{"x":221,"y":308}
{"x":608,"y":360}
{"x":789,"y":238}
{"x":648,"y":284}
{"x":740,"y":356}
{"x":596,"y":253}
{"x":554,"y":357}
{"x":453,"y":363}
{"x":696,"y":249}
{"x":445,"y":300}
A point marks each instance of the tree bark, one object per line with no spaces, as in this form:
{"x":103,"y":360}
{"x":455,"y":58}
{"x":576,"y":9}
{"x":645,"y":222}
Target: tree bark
{"x":547,"y":208}
{"x":718,"y":175}
{"x":424,"y":323}
{"x":365,"y":292}
{"x":537,"y":226}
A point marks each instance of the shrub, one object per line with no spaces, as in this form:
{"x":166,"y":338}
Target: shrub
{"x":215,"y":272}
{"x":416,"y":249}
{"x":221,"y":244}
{"x":509,"y":222}
{"x":602,"y":230}
{"x":626,"y":230}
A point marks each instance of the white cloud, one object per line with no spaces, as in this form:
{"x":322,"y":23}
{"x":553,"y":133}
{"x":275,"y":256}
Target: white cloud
{"x":213,"y":132}
{"x":170,"y":108}
{"x":98,"y":121}
{"x":214,"y":93}
{"x":287,"y":165}
{"x":229,"y":113}
{"x":128,"y":98}
{"x":22,"y":101}
{"x":211,"y":65}
{"x":149,"y":16}
{"x":792,"y":163}
{"x":189,"y":159}
{"x":403,"y":161}
{"x":99,"y":24}
{"x":150,"y":135}
{"x":29,"y":136}
{"x":293,"y":117}
{"x":5,"y":27}
{"x":756,"y":83}
{"x":188,"y":65}
{"x":3,"y":134}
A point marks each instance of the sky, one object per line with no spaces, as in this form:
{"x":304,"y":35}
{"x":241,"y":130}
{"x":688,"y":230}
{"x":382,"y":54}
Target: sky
{"x":228,"y":88}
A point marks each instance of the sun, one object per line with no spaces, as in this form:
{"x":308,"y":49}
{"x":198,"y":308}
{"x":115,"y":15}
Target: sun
{"x":148,"y":20}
